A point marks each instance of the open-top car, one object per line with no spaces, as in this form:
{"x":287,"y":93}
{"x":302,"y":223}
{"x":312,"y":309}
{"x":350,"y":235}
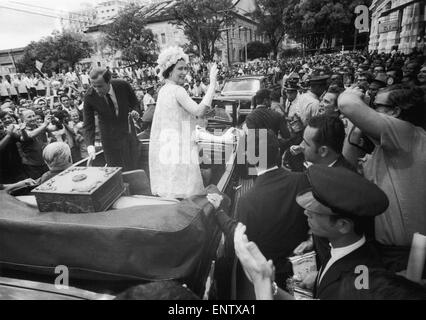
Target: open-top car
{"x":139,"y":239}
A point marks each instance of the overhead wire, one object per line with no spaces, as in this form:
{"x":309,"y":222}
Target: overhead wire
{"x":48,"y":9}
{"x":41,"y":14}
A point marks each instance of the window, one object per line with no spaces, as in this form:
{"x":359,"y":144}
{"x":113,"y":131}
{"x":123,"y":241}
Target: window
{"x":163,"y":38}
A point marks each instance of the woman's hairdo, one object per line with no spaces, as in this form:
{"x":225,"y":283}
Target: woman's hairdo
{"x":167,"y":60}
{"x":57,"y":156}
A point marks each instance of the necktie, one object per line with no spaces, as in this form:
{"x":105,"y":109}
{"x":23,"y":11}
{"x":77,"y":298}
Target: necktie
{"x":110,"y":103}
{"x":320,"y":273}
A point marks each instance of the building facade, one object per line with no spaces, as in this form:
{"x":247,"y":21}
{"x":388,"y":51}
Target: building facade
{"x":231,"y":47}
{"x":397,"y":24}
{"x":93,"y":14}
{"x":8,"y":59}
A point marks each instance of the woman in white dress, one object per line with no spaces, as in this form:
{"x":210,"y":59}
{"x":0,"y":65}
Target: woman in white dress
{"x":173,"y":152}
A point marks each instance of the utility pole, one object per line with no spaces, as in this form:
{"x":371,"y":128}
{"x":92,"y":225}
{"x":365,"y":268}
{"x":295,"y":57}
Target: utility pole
{"x":227,"y":47}
{"x":355,"y":38}
{"x":199,"y":44}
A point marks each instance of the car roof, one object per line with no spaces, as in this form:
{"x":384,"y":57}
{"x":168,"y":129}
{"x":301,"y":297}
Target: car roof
{"x":247,"y":77}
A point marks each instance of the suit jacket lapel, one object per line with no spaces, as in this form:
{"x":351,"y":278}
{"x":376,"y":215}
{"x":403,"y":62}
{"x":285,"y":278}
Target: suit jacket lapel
{"x":346,"y":264}
{"x":117,"y":97}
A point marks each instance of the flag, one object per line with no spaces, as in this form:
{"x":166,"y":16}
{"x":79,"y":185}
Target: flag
{"x":39,"y":65}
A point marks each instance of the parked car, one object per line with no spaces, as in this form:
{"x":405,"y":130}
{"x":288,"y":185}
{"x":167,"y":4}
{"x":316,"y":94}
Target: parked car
{"x":241,"y":91}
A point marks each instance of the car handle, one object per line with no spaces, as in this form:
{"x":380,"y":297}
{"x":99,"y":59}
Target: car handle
{"x":236,"y":188}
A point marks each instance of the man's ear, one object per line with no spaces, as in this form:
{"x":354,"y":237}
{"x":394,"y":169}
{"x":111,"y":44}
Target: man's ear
{"x":396,"y":112}
{"x":323,"y":151}
{"x":344,"y":225}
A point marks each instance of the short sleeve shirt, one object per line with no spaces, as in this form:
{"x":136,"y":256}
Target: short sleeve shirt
{"x":398,"y":167}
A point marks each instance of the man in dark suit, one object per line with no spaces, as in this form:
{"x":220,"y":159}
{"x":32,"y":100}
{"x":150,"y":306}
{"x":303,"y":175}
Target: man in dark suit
{"x":113,"y":101}
{"x":270,"y":212}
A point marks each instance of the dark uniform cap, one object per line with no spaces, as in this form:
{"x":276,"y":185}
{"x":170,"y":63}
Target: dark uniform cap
{"x":291,"y":85}
{"x":339,"y":191}
{"x":318,"y":79}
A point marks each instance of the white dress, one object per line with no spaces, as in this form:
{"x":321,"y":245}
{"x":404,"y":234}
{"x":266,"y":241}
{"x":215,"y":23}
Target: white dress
{"x":173,"y":152}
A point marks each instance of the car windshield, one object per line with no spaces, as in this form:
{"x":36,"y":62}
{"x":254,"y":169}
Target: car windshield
{"x":246,"y":85}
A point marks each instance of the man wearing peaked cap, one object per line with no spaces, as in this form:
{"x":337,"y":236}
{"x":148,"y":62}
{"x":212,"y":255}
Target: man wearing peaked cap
{"x":336,"y":206}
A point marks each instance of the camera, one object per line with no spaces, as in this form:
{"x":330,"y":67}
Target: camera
{"x":58,"y":119}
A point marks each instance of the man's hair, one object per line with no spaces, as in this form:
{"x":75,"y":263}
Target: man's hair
{"x":57,"y":156}
{"x":360,"y":224}
{"x":411,"y":102}
{"x":276,"y":94}
{"x":3,"y":114}
{"x":398,"y":73}
{"x":97,"y":72}
{"x":261,"y":95}
{"x":272,"y":146}
{"x":335,"y":90}
{"x":331,"y":132}
{"x":64,"y":96}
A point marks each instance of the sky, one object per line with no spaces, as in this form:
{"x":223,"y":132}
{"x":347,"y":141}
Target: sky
{"x":17,"y":28}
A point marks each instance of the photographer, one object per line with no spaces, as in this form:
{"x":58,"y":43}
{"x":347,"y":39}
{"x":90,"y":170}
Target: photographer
{"x":11,"y":169}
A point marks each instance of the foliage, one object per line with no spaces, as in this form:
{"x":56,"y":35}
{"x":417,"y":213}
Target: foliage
{"x":128,"y":34}
{"x":314,"y":22}
{"x":257,"y":49}
{"x":202,"y":22}
{"x":269,"y":14}
{"x":58,"y":51}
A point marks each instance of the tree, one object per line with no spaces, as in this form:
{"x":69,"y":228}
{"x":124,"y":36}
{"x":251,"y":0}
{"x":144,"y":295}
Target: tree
{"x":60,"y":50}
{"x":202,"y":21}
{"x":129,"y":35}
{"x":257,"y":49}
{"x":269,"y":14}
{"x":317,"y":22}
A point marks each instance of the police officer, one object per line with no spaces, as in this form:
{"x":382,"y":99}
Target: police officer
{"x":336,"y":204}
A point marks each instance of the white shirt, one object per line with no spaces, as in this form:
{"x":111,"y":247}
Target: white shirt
{"x":113,"y":98}
{"x":4,"y":88}
{"x":22,"y":88}
{"x":261,"y":172}
{"x":85,"y":79}
{"x":147,"y":101}
{"x":339,"y":253}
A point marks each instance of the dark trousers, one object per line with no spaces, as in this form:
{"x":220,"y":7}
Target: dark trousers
{"x":41,"y":93}
{"x":23,"y":96}
{"x":14,"y":98}
{"x":124,"y":153}
{"x":33,"y":93}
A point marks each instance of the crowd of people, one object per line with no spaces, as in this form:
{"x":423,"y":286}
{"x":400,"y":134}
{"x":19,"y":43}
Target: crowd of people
{"x":354,"y":128}
{"x":349,"y":127}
